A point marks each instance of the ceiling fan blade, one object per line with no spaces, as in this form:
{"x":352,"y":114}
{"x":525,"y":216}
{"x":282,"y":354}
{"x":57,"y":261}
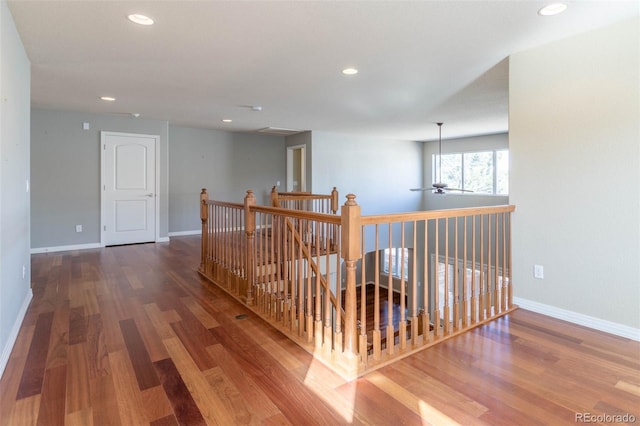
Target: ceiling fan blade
{"x":420,"y":189}
{"x":457,"y":189}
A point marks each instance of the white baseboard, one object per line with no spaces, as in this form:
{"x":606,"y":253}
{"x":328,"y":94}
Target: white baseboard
{"x":580,"y":319}
{"x":38,"y":250}
{"x":65,"y":248}
{"x":13,"y":335}
{"x":182,"y":233}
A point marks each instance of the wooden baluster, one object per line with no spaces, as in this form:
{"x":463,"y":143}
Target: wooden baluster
{"x":456,"y":280}
{"x":402,"y":325}
{"x":327,"y":331}
{"x":497,"y":308}
{"x":257,"y":261}
{"x":273,"y":265}
{"x":504,"y":291}
{"x":436,"y":286}
{"x":224,"y":247}
{"x":250,"y":227}
{"x":362,"y":342}
{"x":236,"y":232}
{"x":465,"y":281}
{"x":204,"y":218}
{"x":414,"y":288}
{"x":210,"y":240}
{"x":482,"y":313}
{"x":376,"y":301}
{"x":474,"y":291}
{"x":340,"y":333}
{"x":350,"y":213}
{"x":426,"y":322}
{"x":334,"y":210}
{"x":390,"y":340}
{"x":280,"y":241}
{"x":300,"y":292}
{"x":289,"y":238}
{"x":490,"y":285}
{"x":447,"y":312}
{"x":509,"y":275}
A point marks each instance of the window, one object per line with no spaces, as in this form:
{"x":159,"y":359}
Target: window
{"x":399,"y":257}
{"x":483,"y":172}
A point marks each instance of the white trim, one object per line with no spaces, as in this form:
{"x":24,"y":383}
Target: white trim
{"x":65,"y":248}
{"x":580,"y":319}
{"x":181,"y":233}
{"x":13,"y":335}
{"x":162,"y":240}
{"x":156,"y":154}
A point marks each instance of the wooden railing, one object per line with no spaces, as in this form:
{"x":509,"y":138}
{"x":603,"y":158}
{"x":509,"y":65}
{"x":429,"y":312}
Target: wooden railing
{"x":360,"y":291}
{"x":307,"y":201}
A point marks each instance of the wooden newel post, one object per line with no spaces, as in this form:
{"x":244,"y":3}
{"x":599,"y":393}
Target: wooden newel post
{"x":274,"y":197}
{"x":334,"y":200}
{"x":204,"y":217}
{"x":250,"y":227}
{"x":351,"y":238}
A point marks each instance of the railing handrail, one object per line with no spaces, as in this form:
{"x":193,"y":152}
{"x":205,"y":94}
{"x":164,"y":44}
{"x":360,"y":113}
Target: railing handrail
{"x":302,"y":195}
{"x":224,"y":204}
{"x":278,"y":198}
{"x":299,"y":214}
{"x":434,"y":214}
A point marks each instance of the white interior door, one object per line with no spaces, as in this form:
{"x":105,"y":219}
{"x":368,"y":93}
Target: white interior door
{"x":129,"y":201}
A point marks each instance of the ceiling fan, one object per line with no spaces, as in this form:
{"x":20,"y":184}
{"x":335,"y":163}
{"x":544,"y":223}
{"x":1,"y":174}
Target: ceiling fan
{"x":439,"y":187}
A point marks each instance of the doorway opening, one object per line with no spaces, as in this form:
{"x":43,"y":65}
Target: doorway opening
{"x":296,"y":168}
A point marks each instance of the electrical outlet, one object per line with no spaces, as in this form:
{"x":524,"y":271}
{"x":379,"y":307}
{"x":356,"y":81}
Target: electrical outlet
{"x":78,"y":228}
{"x":24,"y":271}
{"x":538,"y":272}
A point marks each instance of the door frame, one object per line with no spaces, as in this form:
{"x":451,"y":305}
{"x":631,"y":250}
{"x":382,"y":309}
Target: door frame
{"x":303,"y":167}
{"x":103,"y":159}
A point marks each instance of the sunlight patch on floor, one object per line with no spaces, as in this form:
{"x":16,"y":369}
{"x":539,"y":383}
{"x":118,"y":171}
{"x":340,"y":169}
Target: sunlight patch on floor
{"x":324,"y":387}
{"x":428,"y":414}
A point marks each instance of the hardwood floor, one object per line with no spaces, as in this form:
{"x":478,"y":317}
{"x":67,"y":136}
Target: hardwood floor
{"x":132,"y":335}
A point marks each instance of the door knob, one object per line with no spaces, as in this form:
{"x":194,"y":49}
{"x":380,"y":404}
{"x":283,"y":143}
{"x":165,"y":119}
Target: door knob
{"x":149,"y":195}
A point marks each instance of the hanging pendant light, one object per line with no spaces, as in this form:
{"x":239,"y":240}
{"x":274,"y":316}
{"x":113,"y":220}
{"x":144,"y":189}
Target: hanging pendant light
{"x":440,"y":187}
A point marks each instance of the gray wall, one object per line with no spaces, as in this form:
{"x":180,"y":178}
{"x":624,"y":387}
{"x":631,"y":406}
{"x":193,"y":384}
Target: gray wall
{"x":65,"y":174}
{"x":15,"y":81}
{"x":453,"y":200}
{"x":227,"y":164}
{"x":378,"y":171}
{"x":575,"y":173}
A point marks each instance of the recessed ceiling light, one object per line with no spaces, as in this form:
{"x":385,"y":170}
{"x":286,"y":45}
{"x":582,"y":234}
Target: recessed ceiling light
{"x":349,"y":71}
{"x":227,"y":120}
{"x":140,"y":19}
{"x":107,"y":98}
{"x":552,"y":9}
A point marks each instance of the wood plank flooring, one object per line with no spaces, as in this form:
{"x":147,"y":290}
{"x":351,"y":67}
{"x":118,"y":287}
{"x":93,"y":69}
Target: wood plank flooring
{"x":132,"y":335}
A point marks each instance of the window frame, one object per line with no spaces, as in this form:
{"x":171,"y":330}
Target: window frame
{"x":435,"y":164}
{"x":399,"y":257}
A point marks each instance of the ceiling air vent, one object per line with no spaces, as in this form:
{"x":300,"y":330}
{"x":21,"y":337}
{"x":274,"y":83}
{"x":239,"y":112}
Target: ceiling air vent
{"x":278,"y":131}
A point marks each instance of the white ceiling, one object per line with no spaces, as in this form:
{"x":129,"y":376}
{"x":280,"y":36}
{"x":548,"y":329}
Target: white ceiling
{"x":420,"y":61}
